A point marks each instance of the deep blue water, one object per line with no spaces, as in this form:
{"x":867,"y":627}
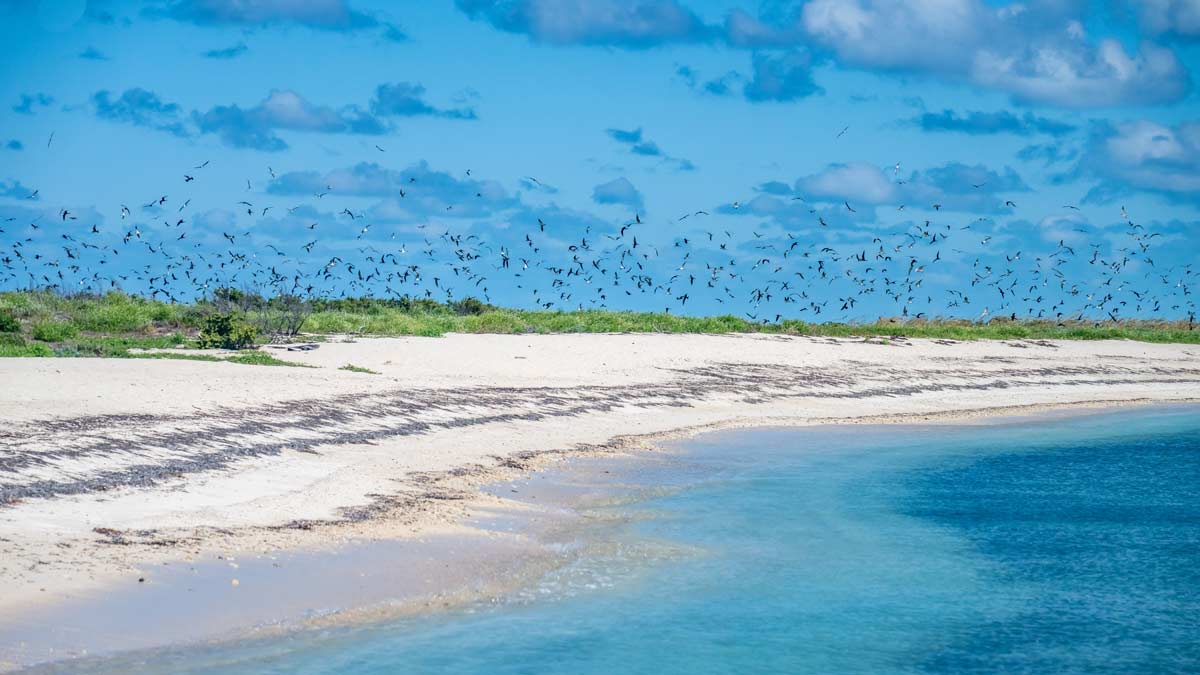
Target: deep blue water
{"x":1070,"y":545}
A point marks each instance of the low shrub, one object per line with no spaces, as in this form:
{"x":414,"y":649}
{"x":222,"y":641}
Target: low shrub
{"x":54,"y":331}
{"x":223,"y":331}
{"x":8,"y":322}
{"x":257,"y":358}
{"x":34,"y":349}
{"x":282,"y":316}
{"x":470,"y":307}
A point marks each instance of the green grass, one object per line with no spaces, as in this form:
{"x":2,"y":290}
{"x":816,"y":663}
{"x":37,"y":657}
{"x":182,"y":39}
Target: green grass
{"x":54,"y":331}
{"x":115,"y":346}
{"x":253,"y":358}
{"x":179,"y":356}
{"x":36,"y":349}
{"x":389,"y":321}
{"x":358,"y":369}
{"x":110,"y":313}
{"x":111,"y":324}
{"x":257,"y":358}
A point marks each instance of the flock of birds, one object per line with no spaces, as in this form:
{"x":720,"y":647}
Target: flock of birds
{"x":922,"y":269}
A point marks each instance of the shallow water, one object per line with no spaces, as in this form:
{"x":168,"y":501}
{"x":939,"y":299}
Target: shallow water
{"x":1069,"y":544}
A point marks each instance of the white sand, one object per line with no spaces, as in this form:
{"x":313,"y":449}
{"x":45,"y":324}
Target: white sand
{"x":181,"y":457}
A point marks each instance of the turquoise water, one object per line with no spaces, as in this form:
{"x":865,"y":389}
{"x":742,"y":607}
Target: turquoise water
{"x":1069,"y":545}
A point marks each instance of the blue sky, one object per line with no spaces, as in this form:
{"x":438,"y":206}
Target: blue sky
{"x":774,"y":119}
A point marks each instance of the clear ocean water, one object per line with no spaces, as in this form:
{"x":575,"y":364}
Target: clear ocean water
{"x":1069,"y":545}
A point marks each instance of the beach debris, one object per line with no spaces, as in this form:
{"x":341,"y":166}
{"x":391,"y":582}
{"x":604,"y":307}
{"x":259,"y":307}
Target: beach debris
{"x":302,"y":348}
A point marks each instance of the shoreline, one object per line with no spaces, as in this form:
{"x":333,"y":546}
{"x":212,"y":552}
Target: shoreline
{"x":440,"y":501}
{"x":513,"y":556}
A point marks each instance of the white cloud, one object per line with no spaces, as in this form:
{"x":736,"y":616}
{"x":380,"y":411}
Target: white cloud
{"x":1084,"y":77}
{"x":1144,"y":155}
{"x":1037,"y":53}
{"x":952,"y":186}
{"x":859,"y":182}
{"x":1176,"y":18}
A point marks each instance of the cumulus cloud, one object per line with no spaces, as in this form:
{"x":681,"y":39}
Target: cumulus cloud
{"x":781,"y":77}
{"x":630,"y":24}
{"x":794,"y":213}
{"x":426,"y":191}
{"x":634,"y":139}
{"x":1037,"y":53}
{"x":29,"y":103}
{"x":719,"y":86}
{"x":532,"y":185}
{"x":1082,"y":77}
{"x":1143,"y":156}
{"x":326,"y":15}
{"x":141,"y":108}
{"x":638,"y":144}
{"x":1046,"y":153}
{"x":12,"y":189}
{"x":775,"y":76}
{"x":405,"y":99}
{"x":320,"y":14}
{"x":774,"y":187}
{"x":1173,"y":19}
{"x":1070,"y":228}
{"x":859,"y":181}
{"x":725,"y":85}
{"x":743,"y":30}
{"x":256,"y":127}
{"x":618,"y":191}
{"x":953,"y":186}
{"x":977,"y":123}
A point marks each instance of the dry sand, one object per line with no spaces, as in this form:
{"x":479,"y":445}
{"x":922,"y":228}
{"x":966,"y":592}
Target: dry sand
{"x":108,"y":467}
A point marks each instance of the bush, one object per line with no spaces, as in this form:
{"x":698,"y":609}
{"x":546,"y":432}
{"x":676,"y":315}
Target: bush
{"x":35,"y":349}
{"x":54,"y":331}
{"x":375,"y":306}
{"x":282,"y":316}
{"x":223,"y":331}
{"x":228,"y":300}
{"x":8,"y":322}
{"x":470,"y":306}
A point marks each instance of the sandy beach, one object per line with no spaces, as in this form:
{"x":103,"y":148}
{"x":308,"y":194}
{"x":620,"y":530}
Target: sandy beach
{"x":109,"y":467}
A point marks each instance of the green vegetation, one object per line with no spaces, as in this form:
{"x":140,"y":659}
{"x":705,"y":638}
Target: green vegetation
{"x":112,"y":324}
{"x":13,"y":344}
{"x":395,"y":321}
{"x":225,"y":331}
{"x":109,"y":313}
{"x":257,"y":358}
{"x":8,"y":322}
{"x":54,"y":331}
{"x":358,"y":369}
{"x":177,"y":356}
{"x":115,"y":346}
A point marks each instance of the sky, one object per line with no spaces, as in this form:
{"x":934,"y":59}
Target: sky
{"x":848,"y":127}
